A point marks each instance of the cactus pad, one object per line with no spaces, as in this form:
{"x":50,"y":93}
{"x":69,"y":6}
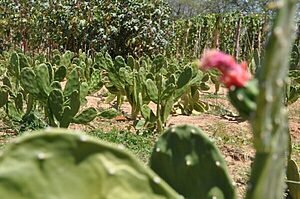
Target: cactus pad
{"x":3,"y":96}
{"x":188,"y":161}
{"x":244,"y":99}
{"x":293,"y":177}
{"x":60,"y":164}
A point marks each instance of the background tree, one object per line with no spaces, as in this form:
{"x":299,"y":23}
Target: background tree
{"x":188,"y":8}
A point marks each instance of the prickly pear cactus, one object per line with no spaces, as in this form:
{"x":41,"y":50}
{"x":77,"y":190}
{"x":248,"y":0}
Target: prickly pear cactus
{"x":270,"y":122}
{"x":3,"y":96}
{"x":244,"y":99}
{"x":62,"y":164}
{"x":293,"y":176}
{"x":188,"y":161}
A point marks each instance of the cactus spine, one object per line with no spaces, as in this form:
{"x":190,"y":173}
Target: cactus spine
{"x":271,"y":138}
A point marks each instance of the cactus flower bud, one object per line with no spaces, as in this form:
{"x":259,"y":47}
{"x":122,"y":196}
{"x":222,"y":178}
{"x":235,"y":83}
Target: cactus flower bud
{"x":233,"y":73}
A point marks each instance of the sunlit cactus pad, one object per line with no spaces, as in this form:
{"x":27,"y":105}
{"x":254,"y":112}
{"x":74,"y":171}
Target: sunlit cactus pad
{"x":191,"y":163}
{"x":60,"y":164}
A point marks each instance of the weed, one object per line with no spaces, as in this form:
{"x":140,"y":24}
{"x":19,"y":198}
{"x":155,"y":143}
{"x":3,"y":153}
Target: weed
{"x":141,"y":145}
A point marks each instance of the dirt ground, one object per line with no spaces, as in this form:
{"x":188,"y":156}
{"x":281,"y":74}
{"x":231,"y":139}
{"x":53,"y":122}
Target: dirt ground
{"x":233,"y":138}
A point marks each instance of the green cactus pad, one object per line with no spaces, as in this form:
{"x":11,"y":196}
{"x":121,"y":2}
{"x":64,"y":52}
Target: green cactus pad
{"x":131,"y":62}
{"x":293,"y":177}
{"x":119,"y":62}
{"x":55,"y":101}
{"x":23,"y":61}
{"x":19,"y":101}
{"x":60,"y":73}
{"x":60,"y":164}
{"x":56,"y":59}
{"x":188,"y":161}
{"x":66,"y":117}
{"x":147,"y":113}
{"x":244,"y":99}
{"x":205,"y":78}
{"x":56,"y":85}
{"x":185,"y":77}
{"x":14,"y":66}
{"x":85,"y":116}
{"x":3,"y":96}
{"x":84,"y":91}
{"x":74,"y":103}
{"x":6,"y":81}
{"x":43,"y":82}
{"x":152,"y":90}
{"x":72,"y":83}
{"x":28,"y":81}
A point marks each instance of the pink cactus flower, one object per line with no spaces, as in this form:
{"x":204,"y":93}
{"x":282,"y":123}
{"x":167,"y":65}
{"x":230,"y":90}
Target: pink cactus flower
{"x":233,"y":73}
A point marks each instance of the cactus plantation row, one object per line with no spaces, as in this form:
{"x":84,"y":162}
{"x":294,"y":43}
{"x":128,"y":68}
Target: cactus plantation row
{"x":56,"y":88}
{"x":184,"y":163}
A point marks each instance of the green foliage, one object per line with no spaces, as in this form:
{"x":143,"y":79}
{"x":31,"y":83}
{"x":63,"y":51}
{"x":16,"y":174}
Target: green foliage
{"x":141,"y":145}
{"x":186,"y":159}
{"x":121,"y":27}
{"x":192,"y":36}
